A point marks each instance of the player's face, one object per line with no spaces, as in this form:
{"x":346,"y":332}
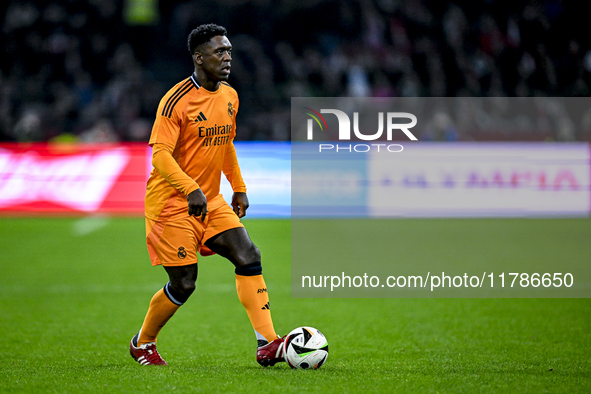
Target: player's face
{"x":216,"y":58}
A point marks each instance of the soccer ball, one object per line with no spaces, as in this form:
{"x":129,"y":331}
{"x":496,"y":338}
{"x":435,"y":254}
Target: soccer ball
{"x":305,"y":348}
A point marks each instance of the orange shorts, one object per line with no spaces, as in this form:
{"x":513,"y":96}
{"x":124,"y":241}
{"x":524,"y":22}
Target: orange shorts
{"x":176,"y":242}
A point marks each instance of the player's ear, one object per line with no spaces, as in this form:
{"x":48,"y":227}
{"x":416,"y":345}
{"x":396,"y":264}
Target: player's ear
{"x":198,"y":58}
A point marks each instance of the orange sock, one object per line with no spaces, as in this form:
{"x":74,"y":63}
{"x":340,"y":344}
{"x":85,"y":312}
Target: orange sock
{"x":160,"y":311}
{"x":252,"y":292}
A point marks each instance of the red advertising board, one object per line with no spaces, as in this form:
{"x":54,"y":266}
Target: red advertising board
{"x":458,"y":180}
{"x":73,"y":178}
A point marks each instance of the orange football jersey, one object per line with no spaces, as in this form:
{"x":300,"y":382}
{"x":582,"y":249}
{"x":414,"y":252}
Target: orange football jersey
{"x":196,"y":128}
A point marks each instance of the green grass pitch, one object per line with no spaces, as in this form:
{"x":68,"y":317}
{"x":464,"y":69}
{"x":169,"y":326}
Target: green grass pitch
{"x":73,"y":291}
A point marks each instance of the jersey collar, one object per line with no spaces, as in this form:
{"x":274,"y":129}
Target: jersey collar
{"x":194,"y":79}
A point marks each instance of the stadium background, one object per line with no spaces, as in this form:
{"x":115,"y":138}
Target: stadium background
{"x":73,"y":288}
{"x":97,"y":69}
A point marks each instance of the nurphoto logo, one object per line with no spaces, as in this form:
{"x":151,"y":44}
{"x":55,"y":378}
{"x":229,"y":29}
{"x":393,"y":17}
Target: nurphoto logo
{"x":344,"y":132}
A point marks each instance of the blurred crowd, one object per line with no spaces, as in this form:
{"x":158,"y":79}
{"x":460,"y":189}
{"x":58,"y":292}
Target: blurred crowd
{"x":95,"y":70}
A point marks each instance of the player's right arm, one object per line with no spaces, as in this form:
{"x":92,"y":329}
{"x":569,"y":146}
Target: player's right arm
{"x":168,"y":167}
{"x":164,"y":138}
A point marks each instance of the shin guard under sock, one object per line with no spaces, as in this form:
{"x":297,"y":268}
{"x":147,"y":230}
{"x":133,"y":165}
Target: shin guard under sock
{"x":252,"y":292}
{"x":162,"y":308}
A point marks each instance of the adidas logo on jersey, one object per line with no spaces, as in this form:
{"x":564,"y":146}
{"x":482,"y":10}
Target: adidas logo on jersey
{"x":267,"y":306}
{"x":200,"y":118}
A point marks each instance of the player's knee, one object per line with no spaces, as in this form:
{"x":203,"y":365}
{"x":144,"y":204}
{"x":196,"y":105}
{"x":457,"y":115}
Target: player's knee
{"x":248,"y":256}
{"x":256,"y":253}
{"x":187,"y":287}
{"x":180,"y":291}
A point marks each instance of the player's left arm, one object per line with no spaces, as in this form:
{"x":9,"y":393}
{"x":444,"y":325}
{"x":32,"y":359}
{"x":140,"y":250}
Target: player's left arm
{"x":232,"y":171}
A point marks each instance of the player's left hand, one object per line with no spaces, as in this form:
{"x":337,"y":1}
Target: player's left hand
{"x":240,"y":203}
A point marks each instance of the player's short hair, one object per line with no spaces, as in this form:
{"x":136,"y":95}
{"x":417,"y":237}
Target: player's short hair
{"x":203,"y":34}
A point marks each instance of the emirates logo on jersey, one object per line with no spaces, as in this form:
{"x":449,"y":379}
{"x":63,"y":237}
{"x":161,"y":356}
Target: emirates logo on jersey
{"x":216,"y":135}
{"x":230,"y":110}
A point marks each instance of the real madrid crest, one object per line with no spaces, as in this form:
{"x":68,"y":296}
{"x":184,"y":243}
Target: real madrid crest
{"x":230,"y":110}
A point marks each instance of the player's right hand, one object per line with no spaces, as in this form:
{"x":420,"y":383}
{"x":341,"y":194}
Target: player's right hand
{"x":197,"y":204}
